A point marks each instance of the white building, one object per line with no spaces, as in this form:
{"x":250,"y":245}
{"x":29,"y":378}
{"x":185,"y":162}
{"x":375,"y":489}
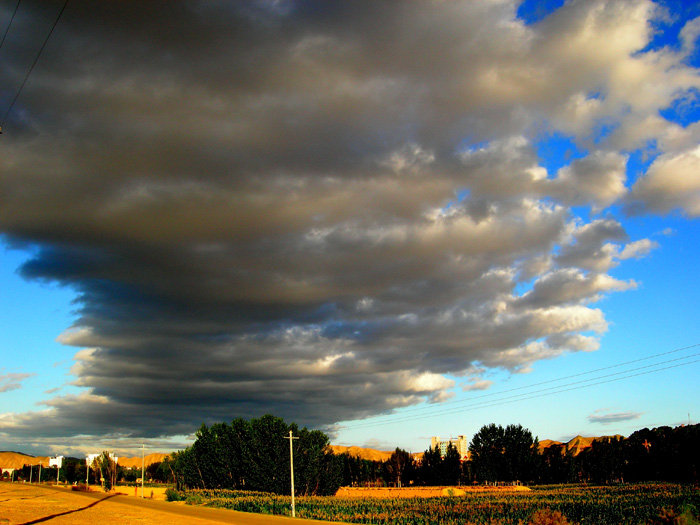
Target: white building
{"x":460,"y":443}
{"x":90,"y":458}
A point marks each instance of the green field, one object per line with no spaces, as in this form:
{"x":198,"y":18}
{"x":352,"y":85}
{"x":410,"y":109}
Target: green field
{"x":585,"y":505}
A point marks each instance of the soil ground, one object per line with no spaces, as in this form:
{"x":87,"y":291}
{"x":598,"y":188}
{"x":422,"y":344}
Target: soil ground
{"x":26,"y":504}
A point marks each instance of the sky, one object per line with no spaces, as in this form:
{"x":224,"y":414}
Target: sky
{"x":385,"y":220}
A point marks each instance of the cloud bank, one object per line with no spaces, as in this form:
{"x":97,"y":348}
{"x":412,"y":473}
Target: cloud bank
{"x":328,"y":211}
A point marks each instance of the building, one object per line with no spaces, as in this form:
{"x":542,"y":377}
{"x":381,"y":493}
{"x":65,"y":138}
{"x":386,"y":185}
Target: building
{"x":90,"y":458}
{"x":56,"y":462}
{"x":460,"y":443}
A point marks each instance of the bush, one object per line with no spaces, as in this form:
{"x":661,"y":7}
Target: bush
{"x":671,"y":517}
{"x":548,"y":517}
{"x":194,"y":499}
{"x":82,"y":487}
{"x":173,"y":495}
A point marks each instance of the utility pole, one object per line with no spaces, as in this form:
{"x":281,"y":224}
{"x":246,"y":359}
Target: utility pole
{"x":291,"y":439}
{"x":143,"y":463}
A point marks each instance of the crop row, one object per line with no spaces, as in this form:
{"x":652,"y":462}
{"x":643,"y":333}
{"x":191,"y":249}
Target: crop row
{"x":633,"y":504}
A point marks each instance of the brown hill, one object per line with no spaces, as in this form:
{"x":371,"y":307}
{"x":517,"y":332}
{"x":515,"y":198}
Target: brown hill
{"x":576,"y":445}
{"x":16,"y":460}
{"x":147,"y":460}
{"x":546,"y":443}
{"x":362,"y":453}
{"x":369,"y":453}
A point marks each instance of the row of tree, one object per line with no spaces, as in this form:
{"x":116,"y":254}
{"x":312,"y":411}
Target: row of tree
{"x":511,"y":454}
{"x":254,"y":455}
{"x":663,"y":453}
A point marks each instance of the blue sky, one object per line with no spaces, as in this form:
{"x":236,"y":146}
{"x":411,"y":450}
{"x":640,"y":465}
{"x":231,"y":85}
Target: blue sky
{"x":368,"y":220}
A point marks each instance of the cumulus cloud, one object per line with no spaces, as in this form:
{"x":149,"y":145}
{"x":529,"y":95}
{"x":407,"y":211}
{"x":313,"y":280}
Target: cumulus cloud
{"x":672,"y":182}
{"x":322,"y":211}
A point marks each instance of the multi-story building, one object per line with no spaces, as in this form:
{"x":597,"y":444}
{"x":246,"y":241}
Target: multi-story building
{"x":460,"y":443}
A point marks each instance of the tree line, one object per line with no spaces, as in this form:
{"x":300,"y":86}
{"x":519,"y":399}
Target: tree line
{"x":254,"y":455}
{"x":511,"y":454}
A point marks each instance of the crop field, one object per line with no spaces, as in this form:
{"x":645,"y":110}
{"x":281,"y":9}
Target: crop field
{"x":584,"y":505}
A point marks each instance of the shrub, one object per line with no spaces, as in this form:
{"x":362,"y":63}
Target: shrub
{"x":194,"y":499}
{"x":671,"y":517}
{"x":548,"y":517}
{"x":173,"y":495}
{"x":82,"y":487}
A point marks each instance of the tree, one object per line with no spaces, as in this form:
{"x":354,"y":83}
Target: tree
{"x":400,"y":467}
{"x":253,"y":455}
{"x":520,"y":453}
{"x":108,"y":470}
{"x":508,"y":454}
{"x":430,"y":465}
{"x":486,"y":451}
{"x":451,"y":466}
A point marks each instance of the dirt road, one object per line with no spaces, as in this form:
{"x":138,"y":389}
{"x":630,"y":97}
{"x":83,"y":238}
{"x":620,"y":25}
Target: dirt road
{"x":28,"y":504}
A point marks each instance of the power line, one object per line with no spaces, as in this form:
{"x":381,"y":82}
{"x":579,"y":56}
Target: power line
{"x":519,"y":397}
{"x":31,"y":68}
{"x":529,"y":395}
{"x":7,"y":29}
{"x":468,"y":405}
{"x":563,"y":378}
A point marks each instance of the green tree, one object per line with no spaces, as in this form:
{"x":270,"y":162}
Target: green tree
{"x":520,"y":452}
{"x":486,"y":451}
{"x":429,"y":471}
{"x":107,"y":469}
{"x":451,"y":466}
{"x":254,"y":455}
{"x":400,"y":467}
{"x":499,"y":454}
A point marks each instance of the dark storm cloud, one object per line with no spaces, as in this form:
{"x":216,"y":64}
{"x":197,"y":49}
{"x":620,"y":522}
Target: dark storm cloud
{"x":312,"y":209}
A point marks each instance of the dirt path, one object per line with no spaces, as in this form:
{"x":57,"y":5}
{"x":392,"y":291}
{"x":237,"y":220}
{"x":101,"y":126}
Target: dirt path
{"x":28,"y":504}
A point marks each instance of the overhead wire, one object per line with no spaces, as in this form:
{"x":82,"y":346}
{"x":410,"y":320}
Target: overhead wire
{"x":525,"y":396}
{"x":513,"y":399}
{"x":31,"y":68}
{"x":549,"y":381}
{"x":12,"y":19}
{"x":470,"y":404}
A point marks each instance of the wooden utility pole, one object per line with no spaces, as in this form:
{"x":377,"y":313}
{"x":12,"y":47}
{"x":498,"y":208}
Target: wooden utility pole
{"x":291,"y":466}
{"x":143,"y":463}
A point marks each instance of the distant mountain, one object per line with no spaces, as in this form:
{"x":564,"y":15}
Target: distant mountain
{"x":362,"y":453}
{"x":369,"y":453}
{"x":16,"y":460}
{"x":147,"y":460}
{"x":576,"y":445}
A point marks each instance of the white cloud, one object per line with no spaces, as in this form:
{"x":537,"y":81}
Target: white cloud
{"x":672,"y":182}
{"x":638,"y":249}
{"x":600,"y":416}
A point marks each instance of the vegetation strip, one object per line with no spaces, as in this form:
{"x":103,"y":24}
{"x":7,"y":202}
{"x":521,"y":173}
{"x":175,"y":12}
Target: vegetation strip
{"x":582,"y":504}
